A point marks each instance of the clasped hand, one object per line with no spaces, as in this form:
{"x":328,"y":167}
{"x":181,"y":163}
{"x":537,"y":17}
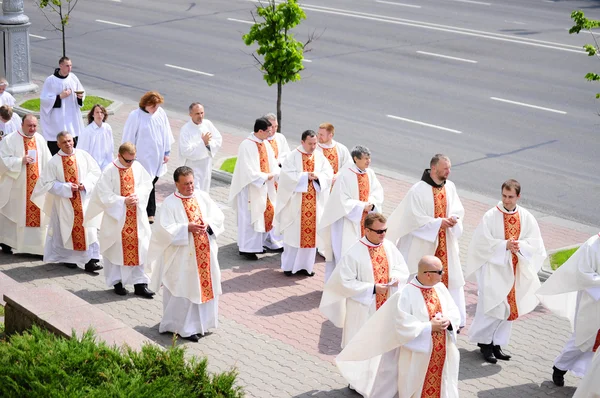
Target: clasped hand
{"x":439,"y":325}
{"x":196,"y":228}
{"x":512,"y":245}
{"x":131,"y":200}
{"x":448,"y":222}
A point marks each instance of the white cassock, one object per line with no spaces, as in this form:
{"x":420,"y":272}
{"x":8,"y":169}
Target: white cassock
{"x":337,"y":154}
{"x":152,"y":137}
{"x":197,"y":155}
{"x":416,"y":231}
{"x":280,"y":146}
{"x":57,"y":114}
{"x":249,"y":191}
{"x":491,"y":263}
{"x":7,"y":99}
{"x":15,"y":208}
{"x":187,"y":309}
{"x":391,"y":355}
{"x":53,"y":195}
{"x":123,"y":261}
{"x":98,"y":142}
{"x":573,"y":291}
{"x":341,"y":224}
{"x":348,"y":299}
{"x":298,"y":213}
{"x":590,"y":385}
{"x":13,"y":125}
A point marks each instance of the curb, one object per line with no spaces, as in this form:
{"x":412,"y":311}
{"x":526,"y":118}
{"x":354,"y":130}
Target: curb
{"x":111,"y":109}
{"x":222,"y":176}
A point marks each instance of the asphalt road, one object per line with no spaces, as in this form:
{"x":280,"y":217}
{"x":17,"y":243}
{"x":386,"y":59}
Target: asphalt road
{"x":495,"y":84}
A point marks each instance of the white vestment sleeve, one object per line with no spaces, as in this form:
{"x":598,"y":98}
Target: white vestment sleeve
{"x":356,"y":214}
{"x":302,"y":185}
{"x":62,"y":189}
{"x":429,"y":231}
{"x":365,"y":297}
{"x":421,"y":343}
{"x":594,"y":292}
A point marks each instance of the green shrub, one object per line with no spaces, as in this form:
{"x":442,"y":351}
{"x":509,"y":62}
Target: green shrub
{"x":559,"y":258}
{"x":40,"y":364}
{"x":229,"y":165}
{"x":90,"y":100}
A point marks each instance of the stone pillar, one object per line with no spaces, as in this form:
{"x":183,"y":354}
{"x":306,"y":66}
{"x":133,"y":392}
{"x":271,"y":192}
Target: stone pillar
{"x":14,"y":26}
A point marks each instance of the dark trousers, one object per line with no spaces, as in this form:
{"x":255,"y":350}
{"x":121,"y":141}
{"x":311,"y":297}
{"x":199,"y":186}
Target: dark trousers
{"x":151,"y":208}
{"x":53,"y":146}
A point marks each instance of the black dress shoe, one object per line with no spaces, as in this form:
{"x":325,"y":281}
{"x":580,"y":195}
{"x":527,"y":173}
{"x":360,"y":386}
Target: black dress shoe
{"x":141,"y":289}
{"x":499,"y":354}
{"x":249,"y":256}
{"x":71,"y":265}
{"x":305,"y":272}
{"x":287,"y":273}
{"x":280,"y":250}
{"x":558,"y":376}
{"x":6,"y":248}
{"x":93,"y":266}
{"x":194,"y":338}
{"x":120,"y":290}
{"x":488,"y":352}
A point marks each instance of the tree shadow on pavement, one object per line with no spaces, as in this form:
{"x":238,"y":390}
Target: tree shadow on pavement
{"x":264,"y":279}
{"x":340,"y":392}
{"x":546,"y":389}
{"x":305,"y":302}
{"x":229,"y":258}
{"x":473,"y":366}
{"x":24,"y":274}
{"x":163,"y":339}
{"x":7,"y":259}
{"x":330,"y":339}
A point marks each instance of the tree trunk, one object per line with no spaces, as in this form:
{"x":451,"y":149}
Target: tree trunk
{"x":279,"y":87}
{"x":64,"y":42}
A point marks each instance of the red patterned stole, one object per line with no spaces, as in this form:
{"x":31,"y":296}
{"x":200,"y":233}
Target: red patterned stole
{"x":264,"y":167}
{"x":275,"y":147}
{"x":308,"y":223}
{"x":364,"y":189}
{"x":201,"y":246}
{"x":129,"y":233}
{"x":32,"y":212}
{"x":332,"y":156}
{"x":381,"y":270}
{"x":512,"y":230}
{"x":439,"y":211}
{"x":69,"y":164}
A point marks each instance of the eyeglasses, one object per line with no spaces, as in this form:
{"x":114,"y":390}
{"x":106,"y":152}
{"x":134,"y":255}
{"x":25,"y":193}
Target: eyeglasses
{"x":127,"y":160}
{"x":378,"y":231}
{"x":439,"y":272}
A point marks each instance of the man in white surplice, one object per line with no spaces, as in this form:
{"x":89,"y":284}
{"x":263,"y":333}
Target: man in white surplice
{"x":303,"y":189}
{"x":60,"y":104}
{"x":252,"y":192}
{"x":428,"y":221}
{"x":409,"y":345}
{"x":277,"y":140}
{"x":63,"y":192}
{"x":6,"y":98}
{"x":505,"y":255}
{"x":356,"y":193}
{"x":183,"y":257}
{"x":199,"y":142}
{"x":369,"y":271}
{"x":590,"y":385}
{"x":24,"y":157}
{"x":121,"y":196}
{"x":573,"y":291}
{"x":337,"y":153}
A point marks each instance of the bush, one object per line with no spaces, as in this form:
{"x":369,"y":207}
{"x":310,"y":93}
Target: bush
{"x":40,"y":364}
{"x":229,"y":165}
{"x":559,"y":258}
{"x":88,"y":103}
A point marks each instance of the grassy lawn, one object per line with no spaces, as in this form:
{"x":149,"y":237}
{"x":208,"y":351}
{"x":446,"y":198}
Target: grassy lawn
{"x":90,"y":100}
{"x":559,"y":258}
{"x":229,"y":165}
{"x":1,"y":310}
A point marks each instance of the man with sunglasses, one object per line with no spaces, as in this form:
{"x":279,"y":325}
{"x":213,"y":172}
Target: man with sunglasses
{"x":121,"y":195}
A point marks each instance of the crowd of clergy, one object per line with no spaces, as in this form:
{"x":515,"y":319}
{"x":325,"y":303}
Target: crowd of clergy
{"x":394,"y":285}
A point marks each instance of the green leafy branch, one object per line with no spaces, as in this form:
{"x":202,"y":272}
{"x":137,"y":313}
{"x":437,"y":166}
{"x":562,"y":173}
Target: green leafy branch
{"x":583,"y":23}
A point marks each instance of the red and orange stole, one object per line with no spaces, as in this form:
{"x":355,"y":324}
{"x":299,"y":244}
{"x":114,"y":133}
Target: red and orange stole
{"x":332,"y":156}
{"x":69,"y":164}
{"x":202,"y":248}
{"x":597,"y":342}
{"x":32,"y":212}
{"x":275,"y":147}
{"x":129,"y":233}
{"x":512,"y":230}
{"x":264,"y":167}
{"x":439,"y":211}
{"x":308,"y":220}
{"x":364,"y":188}
{"x":381,"y":270}
{"x":432,"y":386}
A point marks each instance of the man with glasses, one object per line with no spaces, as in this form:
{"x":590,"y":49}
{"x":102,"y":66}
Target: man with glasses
{"x":363,"y":279}
{"x":122,"y":195}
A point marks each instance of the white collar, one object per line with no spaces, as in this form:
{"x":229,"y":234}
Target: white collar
{"x":357,"y":170}
{"x":181,"y":196}
{"x":502,"y":209}
{"x":328,"y":146}
{"x":61,"y":153}
{"x":368,"y":243}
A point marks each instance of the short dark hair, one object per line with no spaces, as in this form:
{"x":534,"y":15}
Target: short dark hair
{"x":192,"y":105}
{"x":308,"y":133}
{"x":26,"y":117}
{"x":436,"y":159}
{"x":90,"y":115}
{"x":512,"y":184}
{"x":63,"y":133}
{"x":261,"y":124}
{"x":372,"y":217}
{"x":63,"y":59}
{"x":6,"y":112}
{"x":358,"y":151}
{"x":182,"y":171}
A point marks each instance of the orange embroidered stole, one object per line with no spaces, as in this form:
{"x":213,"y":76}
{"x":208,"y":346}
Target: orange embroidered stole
{"x":597,"y":342}
{"x":264,"y":167}
{"x":332,"y":156}
{"x":364,"y":188}
{"x":129,"y":233}
{"x":202,"y":248}
{"x":308,"y":221}
{"x":275,"y":147}
{"x":432,"y":386}
{"x":69,"y":164}
{"x":381,"y":270}
{"x":439,"y":211}
{"x":32,"y":212}
{"x":512,"y":230}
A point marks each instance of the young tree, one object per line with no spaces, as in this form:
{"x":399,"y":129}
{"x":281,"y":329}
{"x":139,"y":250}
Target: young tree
{"x":281,"y":53}
{"x":581,"y":22}
{"x":63,"y":9}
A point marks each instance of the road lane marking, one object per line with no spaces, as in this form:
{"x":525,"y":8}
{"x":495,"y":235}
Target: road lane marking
{"x":113,"y":23}
{"x":188,"y":70}
{"x":307,"y":60}
{"x":240,"y":20}
{"x":424,"y":124}
{"x":473,"y":2}
{"x":397,"y":4}
{"x":36,"y":36}
{"x":448,"y":57}
{"x":517,"y":22}
{"x":528,"y":105}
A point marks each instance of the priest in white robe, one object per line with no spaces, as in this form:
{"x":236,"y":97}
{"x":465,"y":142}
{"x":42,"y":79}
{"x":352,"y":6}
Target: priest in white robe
{"x":97,"y":137}
{"x":278,"y":142}
{"x":337,"y":153}
{"x":590,"y":385}
{"x":303,"y":189}
{"x":24,"y":156}
{"x":370,"y":271}
{"x":183,"y":257}
{"x":505,"y":255}
{"x":357,"y":192}
{"x":63,"y":191}
{"x":199,"y":143}
{"x":9,"y":121}
{"x":408,"y":348}
{"x":428,"y":221}
{"x":252,"y":193}
{"x":573,"y":291}
{"x":120,"y":197}
{"x":6,"y":98}
{"x":61,"y":101}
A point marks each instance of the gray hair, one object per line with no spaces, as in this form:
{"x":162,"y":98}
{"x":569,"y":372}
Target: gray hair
{"x":270,"y":116}
{"x":63,"y":134}
{"x":436,"y":159}
{"x":193,"y":104}
{"x":358,"y":151}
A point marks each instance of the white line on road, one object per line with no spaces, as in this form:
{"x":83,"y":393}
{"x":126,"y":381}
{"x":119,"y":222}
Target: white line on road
{"x":474,"y":2}
{"x":448,"y":57}
{"x":36,"y":36}
{"x":307,"y":60}
{"x":528,"y":105}
{"x":113,"y":23}
{"x":398,"y":4}
{"x":240,"y":20}
{"x":424,"y":124}
{"x":188,"y":70}
{"x":517,"y":22}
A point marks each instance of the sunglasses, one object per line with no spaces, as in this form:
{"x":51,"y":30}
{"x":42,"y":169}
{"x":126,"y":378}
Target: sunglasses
{"x":439,"y":272}
{"x":127,"y":160}
{"x":378,"y":231}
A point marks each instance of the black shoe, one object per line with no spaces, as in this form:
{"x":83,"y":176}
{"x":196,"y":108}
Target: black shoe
{"x":305,"y":272}
{"x":249,"y":256}
{"x":280,"y":250}
{"x":488,"y":352}
{"x":6,"y":248}
{"x":194,"y":338}
{"x":141,"y":289}
{"x":287,"y":273}
{"x":120,"y":290}
{"x":558,"y":376}
{"x":499,"y":354}
{"x":93,"y":266}
{"x":71,"y":265}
